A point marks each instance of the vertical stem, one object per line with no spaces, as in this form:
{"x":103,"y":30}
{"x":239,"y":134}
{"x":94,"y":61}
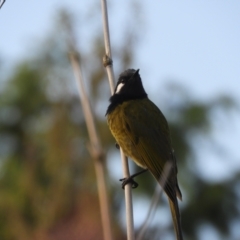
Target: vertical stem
{"x":106,"y":28}
{"x":109,"y":68}
{"x":108,"y":52}
{"x":128,"y":199}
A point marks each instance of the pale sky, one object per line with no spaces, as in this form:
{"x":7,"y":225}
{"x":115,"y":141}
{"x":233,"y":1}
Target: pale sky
{"x":194,"y":42}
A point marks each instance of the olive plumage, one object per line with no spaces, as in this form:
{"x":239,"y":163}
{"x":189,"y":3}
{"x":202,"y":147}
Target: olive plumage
{"x":142,"y":131}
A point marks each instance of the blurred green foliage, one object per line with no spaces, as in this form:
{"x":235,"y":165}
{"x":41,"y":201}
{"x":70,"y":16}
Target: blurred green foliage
{"x":47,"y":180}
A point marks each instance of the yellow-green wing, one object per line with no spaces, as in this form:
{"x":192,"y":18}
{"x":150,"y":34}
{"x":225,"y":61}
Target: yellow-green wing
{"x":148,"y":131}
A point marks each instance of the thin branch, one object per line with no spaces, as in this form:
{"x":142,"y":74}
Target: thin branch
{"x":107,"y":61}
{"x":1,"y":3}
{"x":96,"y":150}
{"x":155,"y":199}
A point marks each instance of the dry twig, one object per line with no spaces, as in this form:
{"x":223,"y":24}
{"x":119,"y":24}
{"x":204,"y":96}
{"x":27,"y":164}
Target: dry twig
{"x":96,"y":150}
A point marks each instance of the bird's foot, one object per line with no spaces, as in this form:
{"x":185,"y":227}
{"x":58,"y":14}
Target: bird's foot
{"x":130,"y":179}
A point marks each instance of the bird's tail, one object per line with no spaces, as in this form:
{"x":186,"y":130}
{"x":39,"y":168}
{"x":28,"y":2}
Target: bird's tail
{"x":176,"y":218}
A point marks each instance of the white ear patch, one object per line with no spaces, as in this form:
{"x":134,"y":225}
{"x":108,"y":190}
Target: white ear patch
{"x":119,"y":87}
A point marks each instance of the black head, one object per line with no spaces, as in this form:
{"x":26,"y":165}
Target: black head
{"x":129,"y":87}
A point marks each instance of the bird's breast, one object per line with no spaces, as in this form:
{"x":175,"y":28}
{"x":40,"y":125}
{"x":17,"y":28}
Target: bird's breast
{"x":120,"y":130}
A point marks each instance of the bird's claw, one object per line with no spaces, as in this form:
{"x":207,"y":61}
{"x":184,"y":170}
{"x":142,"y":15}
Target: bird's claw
{"x":125,"y":181}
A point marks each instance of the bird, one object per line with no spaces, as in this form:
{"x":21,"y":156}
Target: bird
{"x":141,"y":130}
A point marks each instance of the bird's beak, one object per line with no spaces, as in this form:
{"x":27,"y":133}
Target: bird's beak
{"x":136,"y":72}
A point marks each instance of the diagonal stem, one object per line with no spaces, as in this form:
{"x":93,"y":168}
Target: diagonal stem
{"x":157,"y":195}
{"x":95,"y":150}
